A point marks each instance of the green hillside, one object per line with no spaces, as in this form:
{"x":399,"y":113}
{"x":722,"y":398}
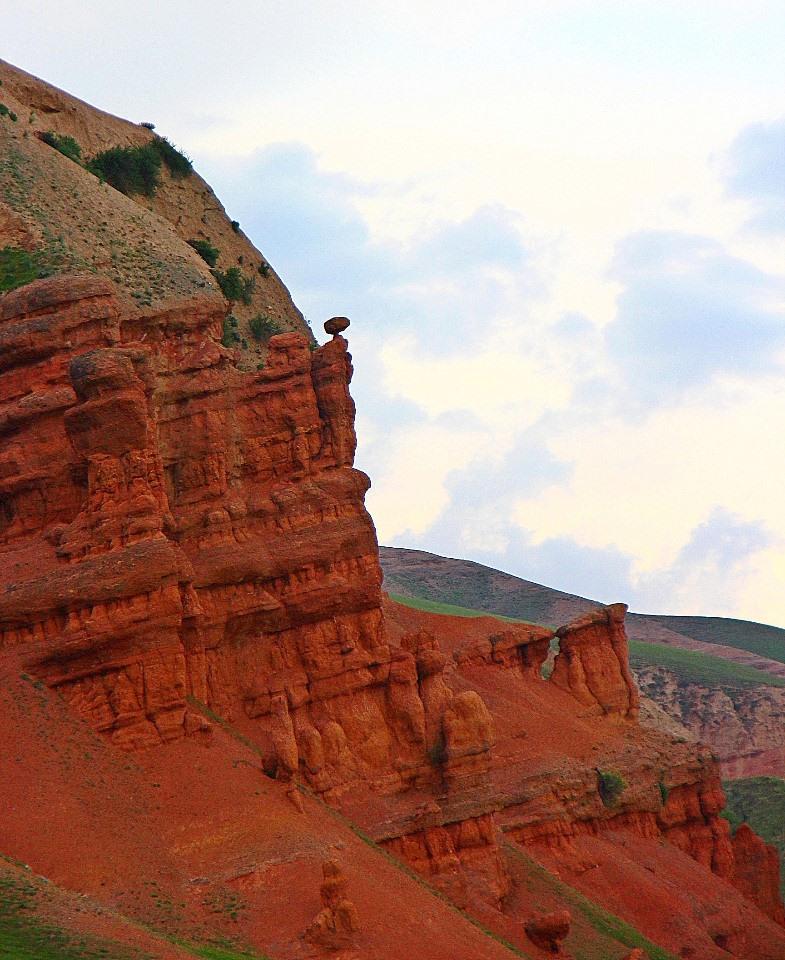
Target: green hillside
{"x":694,"y":666}
{"x":760,"y":802}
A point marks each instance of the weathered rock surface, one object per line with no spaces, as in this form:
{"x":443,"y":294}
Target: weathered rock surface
{"x":593,"y":662}
{"x":549,"y":930}
{"x":745,"y":727}
{"x":191,"y":585}
{"x":335,"y":927}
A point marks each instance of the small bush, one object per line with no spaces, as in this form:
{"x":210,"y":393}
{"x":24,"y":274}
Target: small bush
{"x":264,"y":269}
{"x":128,"y":169}
{"x":63,"y":144}
{"x":236,"y":226}
{"x":234,"y":286}
{"x":610,"y":785}
{"x":18,"y":267}
{"x":263,"y":327}
{"x":147,"y":125}
{"x":230,"y":336}
{"x":663,"y":791}
{"x":5,"y":112}
{"x":206,"y":251}
{"x":178,"y":164}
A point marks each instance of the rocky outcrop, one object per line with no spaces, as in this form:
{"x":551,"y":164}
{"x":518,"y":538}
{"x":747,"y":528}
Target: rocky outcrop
{"x":756,"y":872}
{"x":335,"y":927}
{"x":181,"y":536}
{"x":173,"y":527}
{"x":593,"y":663}
{"x":744,"y":726}
{"x":549,"y":931}
{"x":463,"y":859}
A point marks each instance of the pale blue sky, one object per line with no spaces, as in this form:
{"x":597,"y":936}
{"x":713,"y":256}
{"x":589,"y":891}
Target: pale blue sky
{"x":559,"y":229}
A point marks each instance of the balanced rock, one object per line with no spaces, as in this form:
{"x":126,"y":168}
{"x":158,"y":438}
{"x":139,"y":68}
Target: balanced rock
{"x":336,"y":325}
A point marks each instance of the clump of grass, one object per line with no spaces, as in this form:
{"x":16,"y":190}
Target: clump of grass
{"x":610,"y":786}
{"x":263,"y":327}
{"x":206,"y":251}
{"x":178,"y":164}
{"x":131,"y":170}
{"x":230,"y":336}
{"x":18,"y":267}
{"x":664,"y":792}
{"x":234,"y":286}
{"x":63,"y":144}
{"x":137,"y":170}
{"x":6,"y":112}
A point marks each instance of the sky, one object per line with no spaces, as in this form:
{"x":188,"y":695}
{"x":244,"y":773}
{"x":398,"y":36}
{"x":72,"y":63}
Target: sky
{"x":558,"y":229}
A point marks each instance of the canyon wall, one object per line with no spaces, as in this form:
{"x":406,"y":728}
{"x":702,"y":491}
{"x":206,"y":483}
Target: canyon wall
{"x":745,"y":726}
{"x":182,"y":540}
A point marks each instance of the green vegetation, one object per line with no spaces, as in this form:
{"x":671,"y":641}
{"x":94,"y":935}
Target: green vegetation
{"x":610,"y":785}
{"x":178,"y":164}
{"x":5,"y":112}
{"x":23,"y":936}
{"x":63,"y":144}
{"x":263,"y":327}
{"x":586,"y":912}
{"x":760,"y":802}
{"x":264,"y":269}
{"x":137,"y":170}
{"x":694,"y":666}
{"x":448,"y":609}
{"x":18,"y":267}
{"x":759,"y":638}
{"x":229,"y":335}
{"x":206,"y":251}
{"x":236,"y":226}
{"x":664,"y":792}
{"x":234,"y":286}
{"x":131,"y":170}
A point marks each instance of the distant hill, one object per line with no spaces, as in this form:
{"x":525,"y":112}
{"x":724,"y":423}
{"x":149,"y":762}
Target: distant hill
{"x":719,"y":679}
{"x":416,"y":573}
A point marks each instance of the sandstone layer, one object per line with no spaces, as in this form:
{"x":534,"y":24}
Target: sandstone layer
{"x":204,"y":691}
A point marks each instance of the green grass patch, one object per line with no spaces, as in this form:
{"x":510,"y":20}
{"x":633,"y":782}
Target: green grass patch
{"x":131,"y":170}
{"x":234,"y":286}
{"x":24,"y":936}
{"x":604,"y":922}
{"x":447,"y":609}
{"x":760,"y":802}
{"x":263,"y":327}
{"x":63,"y":144}
{"x":177,"y":163}
{"x":759,"y":638}
{"x":18,"y":267}
{"x":695,"y":666}
{"x":206,"y":251}
{"x":611,"y":786}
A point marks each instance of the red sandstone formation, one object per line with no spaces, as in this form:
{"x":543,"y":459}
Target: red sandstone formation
{"x":191,"y":586}
{"x":335,"y":926}
{"x":549,"y":931}
{"x":593,"y":662}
